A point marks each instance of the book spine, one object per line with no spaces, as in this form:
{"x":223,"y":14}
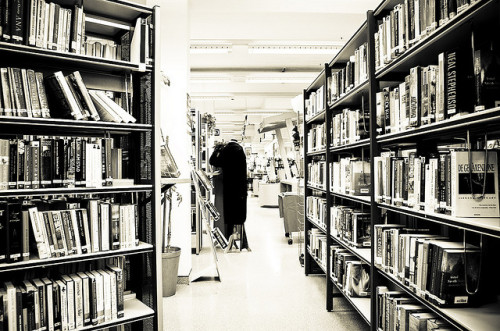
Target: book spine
{"x":17,"y":21}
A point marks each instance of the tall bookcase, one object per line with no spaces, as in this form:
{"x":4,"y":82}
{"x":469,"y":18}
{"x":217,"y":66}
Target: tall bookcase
{"x":476,"y":18}
{"x":141,"y":141}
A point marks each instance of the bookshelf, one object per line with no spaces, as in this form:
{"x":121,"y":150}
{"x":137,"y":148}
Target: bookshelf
{"x":139,"y":142}
{"x":477,"y":17}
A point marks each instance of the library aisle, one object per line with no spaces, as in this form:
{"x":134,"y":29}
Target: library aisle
{"x":264,"y":289}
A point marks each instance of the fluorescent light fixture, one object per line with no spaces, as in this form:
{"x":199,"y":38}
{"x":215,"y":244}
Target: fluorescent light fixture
{"x":294,"y":47}
{"x":212,"y":97}
{"x":210,"y":47}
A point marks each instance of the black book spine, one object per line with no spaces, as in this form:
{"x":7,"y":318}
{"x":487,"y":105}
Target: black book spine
{"x":6,"y":20}
{"x":46,"y":162}
{"x":4,"y":238}
{"x":28,"y":165}
{"x":81,"y":231}
{"x":17,"y":21}
{"x":13,"y":165}
{"x":56,"y":299}
{"x":15,"y":232}
{"x":21,"y":159}
{"x":35,"y":157}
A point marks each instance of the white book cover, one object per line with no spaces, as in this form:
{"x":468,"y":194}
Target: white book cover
{"x":123,"y":227}
{"x":64,"y":304}
{"x":50,"y":36}
{"x":132,"y":225}
{"x":104,"y":222}
{"x":76,"y":231}
{"x":114,"y":298}
{"x":10,"y":310}
{"x":50,"y":303}
{"x":136,"y":43}
{"x":94,"y":224}
{"x":70,"y":292}
{"x":105,"y":112}
{"x":100,"y":296}
{"x":46,"y":28}
{"x":86,"y":304}
{"x":126,"y":117}
{"x":78,"y":288}
{"x":38,"y":233}
{"x":464,"y":185}
{"x":106,"y":281}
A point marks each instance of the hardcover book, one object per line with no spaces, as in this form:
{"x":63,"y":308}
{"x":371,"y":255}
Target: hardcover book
{"x":469,"y":179}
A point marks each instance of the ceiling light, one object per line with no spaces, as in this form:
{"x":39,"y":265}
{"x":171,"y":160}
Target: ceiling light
{"x":212,"y":97}
{"x":200,"y":79}
{"x":210,"y":47}
{"x":290,"y":47}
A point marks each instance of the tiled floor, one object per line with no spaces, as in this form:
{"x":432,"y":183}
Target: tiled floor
{"x":264,"y":289}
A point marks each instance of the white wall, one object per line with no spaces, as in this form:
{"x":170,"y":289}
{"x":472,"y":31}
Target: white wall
{"x":174,"y":49}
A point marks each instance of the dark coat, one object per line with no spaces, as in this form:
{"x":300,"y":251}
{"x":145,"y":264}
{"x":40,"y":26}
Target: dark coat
{"x":231,"y":159}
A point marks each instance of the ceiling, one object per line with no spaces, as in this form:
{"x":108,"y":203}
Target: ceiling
{"x":265,"y":54}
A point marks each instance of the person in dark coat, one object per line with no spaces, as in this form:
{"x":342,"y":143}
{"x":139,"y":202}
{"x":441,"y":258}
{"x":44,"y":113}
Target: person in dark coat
{"x":231,"y":159}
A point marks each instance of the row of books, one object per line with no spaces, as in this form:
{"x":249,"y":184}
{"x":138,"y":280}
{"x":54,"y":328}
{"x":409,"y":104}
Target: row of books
{"x":438,"y":92}
{"x":66,"y":302}
{"x":43,"y":162}
{"x":74,"y":101}
{"x":317,"y":246}
{"x":350,"y":274}
{"x":48,"y":25}
{"x":396,"y":311}
{"x":316,"y":210}
{"x":410,"y":22}
{"x":350,"y":176}
{"x":317,"y":174}
{"x":316,"y":138}
{"x":452,"y":181}
{"x":353,"y":74}
{"x":89,"y":226}
{"x":431,"y":265}
{"x":24,"y":94}
{"x":351,"y":225}
{"x":315,"y":104}
{"x":349,"y":126}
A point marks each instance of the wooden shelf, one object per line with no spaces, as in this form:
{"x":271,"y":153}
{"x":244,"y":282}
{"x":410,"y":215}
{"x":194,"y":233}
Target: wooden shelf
{"x":484,"y":318}
{"x":361,"y":304}
{"x":479,"y":120}
{"x":134,"y":310}
{"x":76,"y":190}
{"x":29,"y":53}
{"x":48,"y":124}
{"x":352,"y":97}
{"x":313,"y":222}
{"x":35,"y":262}
{"x":362,"y":199}
{"x":445,"y":37}
{"x":363,"y":143}
{"x":319,"y":117}
{"x":488,"y":226}
{"x":364,"y":254}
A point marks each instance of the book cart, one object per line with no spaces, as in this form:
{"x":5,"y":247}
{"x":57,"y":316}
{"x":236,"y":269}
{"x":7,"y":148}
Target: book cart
{"x":140,"y":140}
{"x":478,"y":18}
